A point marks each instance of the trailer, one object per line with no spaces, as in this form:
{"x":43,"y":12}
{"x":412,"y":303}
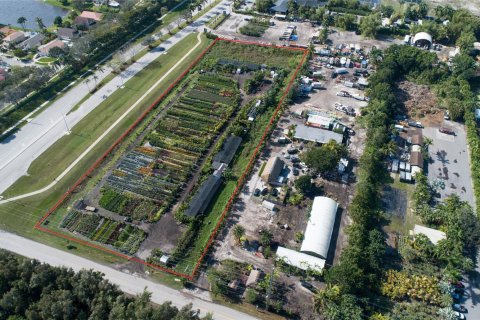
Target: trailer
{"x":90,"y":208}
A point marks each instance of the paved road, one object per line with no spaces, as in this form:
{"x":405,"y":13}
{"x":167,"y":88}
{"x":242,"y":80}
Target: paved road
{"x":128,"y":283}
{"x":19,"y":151}
{"x":471,"y":301}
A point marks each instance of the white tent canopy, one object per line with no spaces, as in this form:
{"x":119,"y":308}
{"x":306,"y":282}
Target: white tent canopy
{"x":320,"y":227}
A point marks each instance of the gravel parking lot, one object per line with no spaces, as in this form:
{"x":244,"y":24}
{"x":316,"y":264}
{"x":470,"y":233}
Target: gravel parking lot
{"x":450,"y":162}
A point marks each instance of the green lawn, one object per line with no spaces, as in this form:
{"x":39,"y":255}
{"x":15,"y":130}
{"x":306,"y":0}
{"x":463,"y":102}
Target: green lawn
{"x":21,"y":216}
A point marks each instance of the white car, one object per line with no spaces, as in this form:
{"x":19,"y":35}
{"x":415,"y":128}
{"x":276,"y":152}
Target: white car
{"x":460,"y":316}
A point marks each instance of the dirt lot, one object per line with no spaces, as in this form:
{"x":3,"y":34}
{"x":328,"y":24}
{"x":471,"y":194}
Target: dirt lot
{"x":230,"y":28}
{"x":249,"y":212}
{"x":419,"y":102}
{"x":338,"y":37}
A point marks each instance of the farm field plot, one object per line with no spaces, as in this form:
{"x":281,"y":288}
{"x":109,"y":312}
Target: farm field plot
{"x":169,"y":156}
{"x":148,"y":178}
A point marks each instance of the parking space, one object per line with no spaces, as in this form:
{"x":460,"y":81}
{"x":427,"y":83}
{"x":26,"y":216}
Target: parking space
{"x":449,"y":165}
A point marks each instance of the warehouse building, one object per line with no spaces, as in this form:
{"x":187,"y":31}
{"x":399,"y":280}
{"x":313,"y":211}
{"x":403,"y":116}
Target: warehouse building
{"x":227,"y":153}
{"x":302,"y":132}
{"x":272,"y":170}
{"x":320,"y":227}
{"x":204,"y":196}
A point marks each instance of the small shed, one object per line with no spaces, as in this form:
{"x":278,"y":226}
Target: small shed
{"x":253,"y":277}
{"x":269,"y":205}
{"x":164,"y":259}
{"x":416,"y":159}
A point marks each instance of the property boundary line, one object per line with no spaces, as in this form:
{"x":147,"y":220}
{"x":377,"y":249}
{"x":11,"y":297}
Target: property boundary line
{"x":190,"y":277}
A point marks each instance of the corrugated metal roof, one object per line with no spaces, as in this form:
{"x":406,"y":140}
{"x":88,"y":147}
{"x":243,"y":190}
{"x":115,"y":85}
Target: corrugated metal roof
{"x":300,"y":260}
{"x":229,"y":148}
{"x":204,"y":195}
{"x":316,"y":135}
{"x":320,"y":227}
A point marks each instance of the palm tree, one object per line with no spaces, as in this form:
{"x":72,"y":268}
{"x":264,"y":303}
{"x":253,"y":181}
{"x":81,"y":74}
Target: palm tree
{"x":95,"y":78}
{"x":40,"y":23}
{"x":21,"y":21}
{"x":238,"y":232}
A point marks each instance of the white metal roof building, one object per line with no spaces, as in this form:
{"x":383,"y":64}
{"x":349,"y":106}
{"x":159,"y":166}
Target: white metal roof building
{"x":320,"y":227}
{"x":300,"y":260}
{"x":422,"y":39}
{"x":432,"y":234}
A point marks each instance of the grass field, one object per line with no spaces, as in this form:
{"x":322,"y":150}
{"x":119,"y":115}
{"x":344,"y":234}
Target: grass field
{"x":20,"y":217}
{"x":52,"y":162}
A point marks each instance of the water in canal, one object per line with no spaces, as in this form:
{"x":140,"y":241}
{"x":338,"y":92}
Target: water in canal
{"x":11,"y":10}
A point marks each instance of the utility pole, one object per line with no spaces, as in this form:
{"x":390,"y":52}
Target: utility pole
{"x":269,"y":289}
{"x":66,"y":125}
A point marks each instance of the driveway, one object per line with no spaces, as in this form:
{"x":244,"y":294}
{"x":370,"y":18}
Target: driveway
{"x":450,"y":162}
{"x":129,"y":283}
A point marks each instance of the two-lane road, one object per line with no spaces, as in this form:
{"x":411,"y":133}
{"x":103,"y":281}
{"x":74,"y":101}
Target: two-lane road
{"x":128,"y":283}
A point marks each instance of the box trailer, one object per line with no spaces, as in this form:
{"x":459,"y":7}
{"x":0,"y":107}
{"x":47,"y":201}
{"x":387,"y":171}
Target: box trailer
{"x":90,"y":208}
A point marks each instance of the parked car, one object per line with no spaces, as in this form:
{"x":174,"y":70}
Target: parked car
{"x":459,"y":308}
{"x":460,"y":316}
{"x":446,"y":115}
{"x":447,"y":131}
{"x":292,"y":150}
{"x":415,"y":124}
{"x":257,"y":192}
{"x":308,"y":286}
{"x":455,"y":296}
{"x":295,"y":159}
{"x":460,"y":291}
{"x":295,"y":172}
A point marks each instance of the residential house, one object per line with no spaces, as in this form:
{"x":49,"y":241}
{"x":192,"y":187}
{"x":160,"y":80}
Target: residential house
{"x":32,"y":42}
{"x":15,"y":37}
{"x":45,"y":49}
{"x":67,"y":33}
{"x":88,"y":18}
{"x":5,"y":31}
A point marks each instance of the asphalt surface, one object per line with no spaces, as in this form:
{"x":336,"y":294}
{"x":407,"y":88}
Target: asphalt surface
{"x":450,"y":162}
{"x":129,"y":283}
{"x":22,"y":148}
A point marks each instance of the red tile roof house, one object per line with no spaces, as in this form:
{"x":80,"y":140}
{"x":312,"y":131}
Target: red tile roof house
{"x":45,"y":49}
{"x":87,"y":18}
{"x":15,"y":37}
{"x":6,"y":31}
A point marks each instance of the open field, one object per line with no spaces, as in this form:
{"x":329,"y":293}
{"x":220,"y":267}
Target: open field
{"x":217,"y":92}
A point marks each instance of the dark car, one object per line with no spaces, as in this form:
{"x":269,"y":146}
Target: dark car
{"x":292,"y":150}
{"x":460,"y":291}
{"x":308,"y":286}
{"x":257,"y":192}
{"x":447,"y":131}
{"x":455,"y":296}
{"x":296,"y":172}
{"x":415,"y":124}
{"x":295,"y":159}
{"x":459,"y":308}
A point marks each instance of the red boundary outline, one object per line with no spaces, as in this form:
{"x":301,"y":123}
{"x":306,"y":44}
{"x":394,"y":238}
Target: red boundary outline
{"x":39,"y":226}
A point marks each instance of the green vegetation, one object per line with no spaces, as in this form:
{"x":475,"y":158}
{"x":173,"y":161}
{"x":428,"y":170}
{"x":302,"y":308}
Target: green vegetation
{"x":125,"y":238}
{"x":33,"y":290}
{"x":216,"y":21}
{"x":325,"y":158}
{"x":255,"y":27}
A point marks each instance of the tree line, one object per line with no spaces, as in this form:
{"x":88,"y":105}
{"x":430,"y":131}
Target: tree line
{"x":33,"y":290}
{"x":354,"y":284}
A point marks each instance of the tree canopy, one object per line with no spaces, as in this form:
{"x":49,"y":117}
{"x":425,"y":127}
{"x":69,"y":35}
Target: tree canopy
{"x":33,"y":290}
